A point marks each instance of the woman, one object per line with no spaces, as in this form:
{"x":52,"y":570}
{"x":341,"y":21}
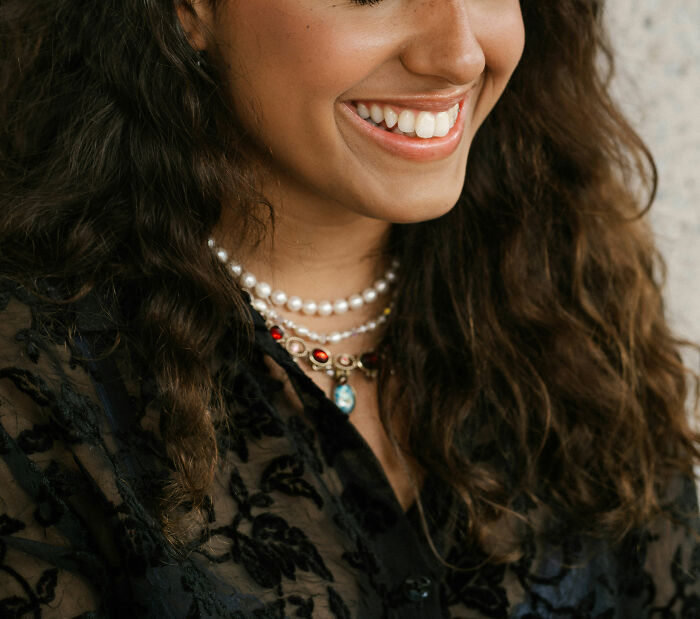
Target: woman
{"x":271,"y":348}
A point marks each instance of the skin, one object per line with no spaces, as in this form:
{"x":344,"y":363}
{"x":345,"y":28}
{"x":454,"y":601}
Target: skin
{"x":291,"y":66}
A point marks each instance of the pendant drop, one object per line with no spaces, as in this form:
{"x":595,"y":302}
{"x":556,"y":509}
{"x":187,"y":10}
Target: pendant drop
{"x":344,"y":398}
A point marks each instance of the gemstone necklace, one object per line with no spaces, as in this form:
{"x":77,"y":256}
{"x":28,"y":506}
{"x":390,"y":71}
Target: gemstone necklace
{"x":339,"y":366}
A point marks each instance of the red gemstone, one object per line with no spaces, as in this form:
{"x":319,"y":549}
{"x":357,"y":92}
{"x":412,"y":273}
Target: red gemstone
{"x":276,"y":332}
{"x":319,"y":355}
{"x":370,"y":361}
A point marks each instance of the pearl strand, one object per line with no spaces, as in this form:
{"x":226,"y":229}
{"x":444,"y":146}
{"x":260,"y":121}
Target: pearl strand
{"x":263,"y":290}
{"x":301,"y":331}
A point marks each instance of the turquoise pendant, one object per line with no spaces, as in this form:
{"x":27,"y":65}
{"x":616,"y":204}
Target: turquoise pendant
{"x":344,"y":398}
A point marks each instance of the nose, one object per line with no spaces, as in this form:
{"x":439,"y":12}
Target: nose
{"x":442,"y":42}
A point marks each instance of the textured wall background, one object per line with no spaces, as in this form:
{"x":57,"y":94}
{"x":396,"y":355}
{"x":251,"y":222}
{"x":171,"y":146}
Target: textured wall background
{"x":658,"y":84}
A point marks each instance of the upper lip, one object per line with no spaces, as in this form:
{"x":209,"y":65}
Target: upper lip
{"x":430,"y":102}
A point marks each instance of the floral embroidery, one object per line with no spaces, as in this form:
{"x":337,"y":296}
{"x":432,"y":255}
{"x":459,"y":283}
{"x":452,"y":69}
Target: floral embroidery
{"x":301,"y":522}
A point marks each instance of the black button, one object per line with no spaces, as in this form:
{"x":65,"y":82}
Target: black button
{"x":417,"y":589}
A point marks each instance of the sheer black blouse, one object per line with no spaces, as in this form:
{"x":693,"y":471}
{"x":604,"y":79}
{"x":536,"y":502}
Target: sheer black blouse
{"x":300,"y":522}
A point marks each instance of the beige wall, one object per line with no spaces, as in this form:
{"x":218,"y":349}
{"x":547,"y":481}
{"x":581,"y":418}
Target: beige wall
{"x":658,"y":47}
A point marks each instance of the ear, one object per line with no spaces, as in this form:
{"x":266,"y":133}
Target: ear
{"x":193,"y":16}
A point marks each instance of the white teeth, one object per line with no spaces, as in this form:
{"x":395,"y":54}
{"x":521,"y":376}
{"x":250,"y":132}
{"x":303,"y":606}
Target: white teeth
{"x":376,"y":113}
{"x":390,"y":117}
{"x":412,"y":123}
{"x":407,"y":121}
{"x":425,"y":125}
{"x":453,"y":112}
{"x":362,"y":111}
{"x":442,"y":124}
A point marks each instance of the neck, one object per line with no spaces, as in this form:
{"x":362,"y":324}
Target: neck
{"x":321,"y":251}
{"x":315,"y":250}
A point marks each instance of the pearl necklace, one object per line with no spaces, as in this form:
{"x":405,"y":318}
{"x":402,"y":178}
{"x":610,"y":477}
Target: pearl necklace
{"x":333,"y":337}
{"x":339,"y":366}
{"x":263,"y":290}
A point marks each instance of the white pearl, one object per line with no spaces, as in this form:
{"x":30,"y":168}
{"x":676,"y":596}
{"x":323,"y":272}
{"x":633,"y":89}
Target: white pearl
{"x":302,"y":331}
{"x":236,"y":269}
{"x":362,"y":329}
{"x":279,"y":297}
{"x":222,"y":255}
{"x":325,"y":308}
{"x":381,"y":286}
{"x":346,"y":334}
{"x":340,"y":306}
{"x":263,"y":289}
{"x":371,"y":325}
{"x":211,"y":243}
{"x":309,"y":308}
{"x":248,"y":280}
{"x":314,"y":337}
{"x":355,"y":302}
{"x":335,"y":337}
{"x":259,"y":305}
{"x":369,"y":295}
{"x":390,"y":276}
{"x":294,"y":304}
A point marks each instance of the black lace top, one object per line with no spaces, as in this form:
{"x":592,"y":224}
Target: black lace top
{"x":302,"y":521}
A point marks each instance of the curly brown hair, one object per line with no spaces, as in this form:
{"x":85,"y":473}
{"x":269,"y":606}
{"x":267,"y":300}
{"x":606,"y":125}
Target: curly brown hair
{"x":534,"y":359}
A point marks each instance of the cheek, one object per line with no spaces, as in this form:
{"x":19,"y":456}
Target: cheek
{"x":503,"y":40}
{"x":287,"y":61}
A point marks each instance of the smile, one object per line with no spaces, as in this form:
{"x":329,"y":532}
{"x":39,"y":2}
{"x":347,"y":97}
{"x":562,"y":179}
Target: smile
{"x":410,"y":122}
{"x":421,"y":130}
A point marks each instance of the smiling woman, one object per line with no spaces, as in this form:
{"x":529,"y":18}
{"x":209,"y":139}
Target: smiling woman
{"x":297,"y":71}
{"x":332,"y":309}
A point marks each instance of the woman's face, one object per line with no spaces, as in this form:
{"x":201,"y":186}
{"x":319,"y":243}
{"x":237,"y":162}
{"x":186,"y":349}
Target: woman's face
{"x":302,"y":74}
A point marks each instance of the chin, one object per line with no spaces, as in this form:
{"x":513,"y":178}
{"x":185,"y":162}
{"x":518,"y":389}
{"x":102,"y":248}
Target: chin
{"x":414,"y":205}
{"x":421,"y":212}
{"x":410,"y":211}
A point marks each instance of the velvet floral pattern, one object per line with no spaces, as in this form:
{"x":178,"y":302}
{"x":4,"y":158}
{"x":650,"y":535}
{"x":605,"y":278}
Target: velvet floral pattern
{"x":300,"y":521}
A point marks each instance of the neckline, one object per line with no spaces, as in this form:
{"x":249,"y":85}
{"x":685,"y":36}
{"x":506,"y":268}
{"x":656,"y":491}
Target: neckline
{"x":331,"y":422}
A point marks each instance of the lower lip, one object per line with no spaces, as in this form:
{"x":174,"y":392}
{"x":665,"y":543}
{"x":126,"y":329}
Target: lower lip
{"x":413,"y":148}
